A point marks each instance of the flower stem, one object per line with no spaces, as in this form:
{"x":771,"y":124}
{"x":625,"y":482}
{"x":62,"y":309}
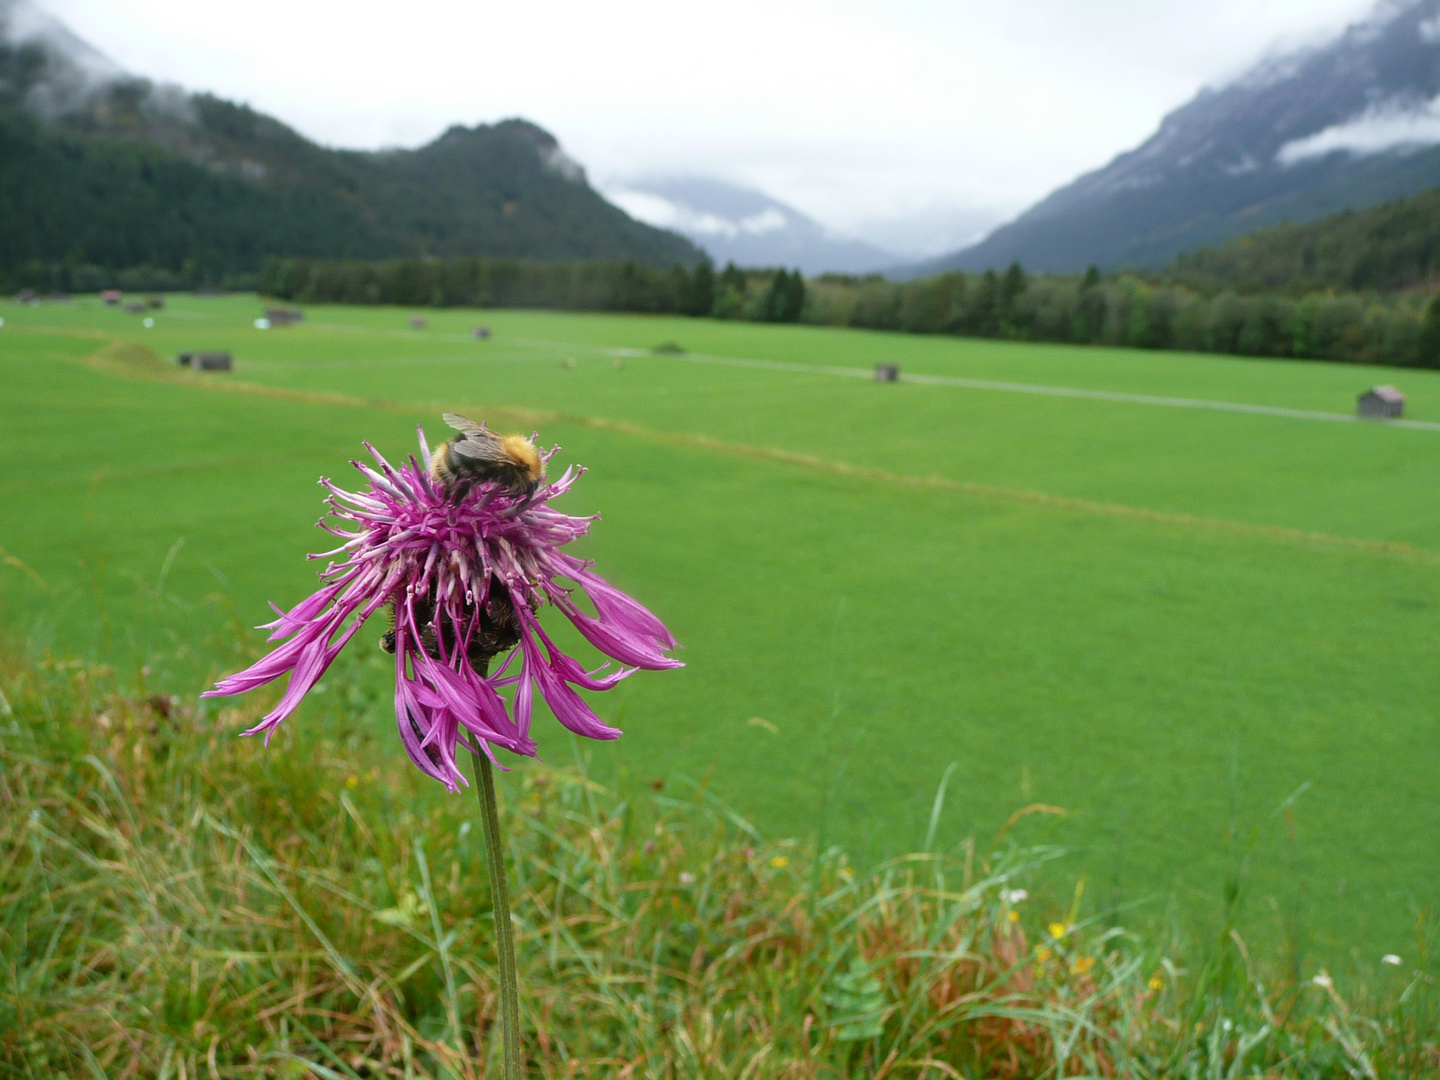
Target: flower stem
{"x":504,"y":931}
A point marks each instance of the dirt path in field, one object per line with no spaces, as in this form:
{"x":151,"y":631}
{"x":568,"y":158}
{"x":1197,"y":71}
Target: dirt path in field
{"x":131,"y":360}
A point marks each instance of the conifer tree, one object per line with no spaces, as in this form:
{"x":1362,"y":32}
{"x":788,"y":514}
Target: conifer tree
{"x":701,"y":296}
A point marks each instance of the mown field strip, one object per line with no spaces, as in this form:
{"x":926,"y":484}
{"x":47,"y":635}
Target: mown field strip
{"x":135,"y":361}
{"x":986,"y":384}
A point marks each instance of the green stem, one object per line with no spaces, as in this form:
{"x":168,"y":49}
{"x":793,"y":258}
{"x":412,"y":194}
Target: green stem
{"x":504,"y":931}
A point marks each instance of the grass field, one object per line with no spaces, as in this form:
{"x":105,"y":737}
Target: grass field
{"x":1164,"y":620}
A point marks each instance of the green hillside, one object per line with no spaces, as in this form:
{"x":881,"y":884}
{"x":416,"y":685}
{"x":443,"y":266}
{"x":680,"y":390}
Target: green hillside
{"x":196,"y":188}
{"x":1387,"y":248}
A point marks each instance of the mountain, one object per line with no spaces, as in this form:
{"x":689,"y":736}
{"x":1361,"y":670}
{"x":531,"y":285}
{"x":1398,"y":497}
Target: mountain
{"x":1350,"y":123}
{"x":744,"y":226}
{"x":1388,"y":248}
{"x":104,"y":169}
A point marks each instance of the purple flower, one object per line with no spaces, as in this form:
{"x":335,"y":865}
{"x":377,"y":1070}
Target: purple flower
{"x":465,"y":572}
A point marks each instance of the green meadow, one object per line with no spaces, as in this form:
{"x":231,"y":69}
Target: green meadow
{"x":1208,"y":637}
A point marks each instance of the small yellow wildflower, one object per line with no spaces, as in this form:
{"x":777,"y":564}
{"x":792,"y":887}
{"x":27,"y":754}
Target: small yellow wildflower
{"x":1014,"y":916}
{"x":352,"y":781}
{"x":1157,"y":983}
{"x":1043,"y":954}
{"x":779,"y":861}
{"x":1058,"y":930}
{"x":1082,"y":965}
{"x":846,"y":873}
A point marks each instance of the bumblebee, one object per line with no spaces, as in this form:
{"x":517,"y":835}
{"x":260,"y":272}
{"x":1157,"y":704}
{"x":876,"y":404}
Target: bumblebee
{"x":477,"y":455}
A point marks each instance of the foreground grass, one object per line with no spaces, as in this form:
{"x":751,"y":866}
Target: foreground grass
{"x":179,"y":903}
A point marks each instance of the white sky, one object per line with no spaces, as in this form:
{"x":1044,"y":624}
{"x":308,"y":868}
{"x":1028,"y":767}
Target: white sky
{"x":854,"y":112}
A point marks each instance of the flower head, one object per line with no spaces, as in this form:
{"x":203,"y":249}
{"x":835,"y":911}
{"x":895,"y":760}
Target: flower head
{"x":465,"y":572}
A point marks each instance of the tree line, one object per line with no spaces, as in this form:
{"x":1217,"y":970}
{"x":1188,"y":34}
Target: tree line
{"x":1091,"y":309}
{"x":759,"y":295}
{"x":1128,"y":311}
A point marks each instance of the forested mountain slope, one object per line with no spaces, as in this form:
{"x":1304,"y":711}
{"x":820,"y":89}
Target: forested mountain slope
{"x":1390,"y":247}
{"x":101,"y":169}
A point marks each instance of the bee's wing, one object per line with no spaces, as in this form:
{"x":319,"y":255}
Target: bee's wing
{"x":479,"y":445}
{"x":459,"y":423}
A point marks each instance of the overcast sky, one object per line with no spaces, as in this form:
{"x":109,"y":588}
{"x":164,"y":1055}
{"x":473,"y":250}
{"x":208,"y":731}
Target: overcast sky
{"x":857,"y":113}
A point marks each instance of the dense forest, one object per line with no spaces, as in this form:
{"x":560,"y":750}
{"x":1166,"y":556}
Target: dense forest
{"x":104,"y":183}
{"x":1127,"y":311}
{"x":1386,"y":248}
{"x":758,"y":295}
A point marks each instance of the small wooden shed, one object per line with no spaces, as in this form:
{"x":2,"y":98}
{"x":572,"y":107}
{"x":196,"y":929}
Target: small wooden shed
{"x":212,"y":361}
{"x":887,"y":372}
{"x":417,"y":323}
{"x":1380,"y":403}
{"x":480,"y":332}
{"x":185,"y":359}
{"x":284,"y":316}
{"x":111,"y":296}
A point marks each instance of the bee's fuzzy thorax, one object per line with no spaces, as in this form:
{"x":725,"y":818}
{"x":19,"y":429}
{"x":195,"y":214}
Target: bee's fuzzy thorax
{"x":522,"y":451}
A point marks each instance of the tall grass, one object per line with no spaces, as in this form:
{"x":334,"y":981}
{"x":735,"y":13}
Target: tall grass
{"x":182,"y":904}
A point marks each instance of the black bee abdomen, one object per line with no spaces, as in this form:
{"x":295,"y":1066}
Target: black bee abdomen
{"x":497,"y":630}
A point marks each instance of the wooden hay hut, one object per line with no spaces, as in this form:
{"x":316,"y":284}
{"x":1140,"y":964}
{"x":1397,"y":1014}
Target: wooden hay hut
{"x":284,"y":316}
{"x":417,"y":323}
{"x":185,"y":359}
{"x":481,"y":333}
{"x":1380,"y":403}
{"x":212,"y":361}
{"x":111,"y":296}
{"x":887,"y":372}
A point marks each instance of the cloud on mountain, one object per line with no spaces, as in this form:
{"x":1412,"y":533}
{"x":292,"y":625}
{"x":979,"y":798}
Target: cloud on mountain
{"x":1392,"y":126}
{"x":745,"y":226}
{"x":667,"y":213}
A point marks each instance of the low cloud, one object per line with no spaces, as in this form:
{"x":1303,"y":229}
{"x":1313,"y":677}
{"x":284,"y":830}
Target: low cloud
{"x":666,"y":213}
{"x":1377,"y":130}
